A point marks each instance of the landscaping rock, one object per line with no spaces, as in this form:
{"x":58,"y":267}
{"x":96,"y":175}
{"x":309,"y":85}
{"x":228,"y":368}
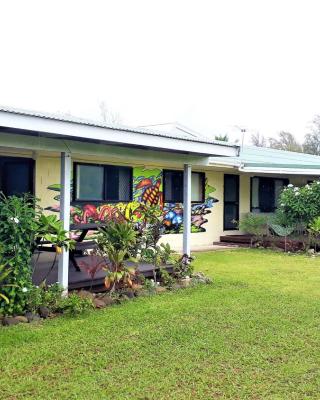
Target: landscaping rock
{"x":9,"y":321}
{"x":22,"y":318}
{"x":128,"y":293}
{"x":32,"y":317}
{"x":85,"y":294}
{"x":99,"y":303}
{"x":44,"y":312}
{"x":108,"y":300}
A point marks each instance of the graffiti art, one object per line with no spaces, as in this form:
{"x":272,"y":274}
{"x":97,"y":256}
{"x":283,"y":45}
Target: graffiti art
{"x":147,"y":191}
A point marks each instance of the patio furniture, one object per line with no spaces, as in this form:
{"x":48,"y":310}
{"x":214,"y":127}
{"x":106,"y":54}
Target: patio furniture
{"x":81,"y":244}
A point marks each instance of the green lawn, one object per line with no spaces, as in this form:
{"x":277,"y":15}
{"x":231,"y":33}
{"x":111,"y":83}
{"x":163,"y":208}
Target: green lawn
{"x":253,"y":334}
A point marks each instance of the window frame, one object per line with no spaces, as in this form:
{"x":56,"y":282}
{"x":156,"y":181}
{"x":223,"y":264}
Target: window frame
{"x":203,"y":184}
{"x":285,"y":183}
{"x":105,"y":199}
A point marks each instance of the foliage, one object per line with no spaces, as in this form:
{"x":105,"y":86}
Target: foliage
{"x":18,"y":227}
{"x":92,"y":265}
{"x":43,"y":295}
{"x":314,"y":232}
{"x":166,"y":278}
{"x":114,"y":244}
{"x":183,"y":267}
{"x":300,"y":204}
{"x":258,"y":140}
{"x":311,"y":143}
{"x":255,"y":225}
{"x":73,"y":304}
{"x":222,"y":138}
{"x":51,"y":229}
{"x":285,"y":141}
{"x":4,"y":273}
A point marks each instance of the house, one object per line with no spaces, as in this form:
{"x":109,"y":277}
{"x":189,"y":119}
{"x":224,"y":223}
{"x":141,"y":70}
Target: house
{"x":90,"y":172}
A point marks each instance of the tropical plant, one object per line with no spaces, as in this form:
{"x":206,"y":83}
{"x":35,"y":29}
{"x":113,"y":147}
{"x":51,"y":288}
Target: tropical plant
{"x":300,"y":204}
{"x":254,"y":224}
{"x":18,"y":227}
{"x":314,"y":232}
{"x":114,"y":245}
{"x":283,"y":231}
{"x":50,"y":228}
{"x":4,"y":272}
{"x":183,"y":267}
{"x":92,"y":266}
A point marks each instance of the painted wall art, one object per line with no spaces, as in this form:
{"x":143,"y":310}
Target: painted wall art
{"x":147,"y":191}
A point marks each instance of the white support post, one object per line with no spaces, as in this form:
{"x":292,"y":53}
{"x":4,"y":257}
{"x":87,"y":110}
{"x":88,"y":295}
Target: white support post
{"x":186,"y":209}
{"x":65,"y":181}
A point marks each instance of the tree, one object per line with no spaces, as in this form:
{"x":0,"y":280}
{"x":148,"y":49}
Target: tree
{"x":285,"y":141}
{"x":108,"y":116}
{"x":311,"y":143}
{"x":222,"y":138}
{"x":258,"y":140}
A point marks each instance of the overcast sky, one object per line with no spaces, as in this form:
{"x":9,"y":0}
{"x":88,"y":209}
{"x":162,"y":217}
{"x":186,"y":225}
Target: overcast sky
{"x":210,"y":65}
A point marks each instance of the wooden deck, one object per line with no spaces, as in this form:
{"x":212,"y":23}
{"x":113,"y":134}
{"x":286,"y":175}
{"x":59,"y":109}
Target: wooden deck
{"x":43,"y":268}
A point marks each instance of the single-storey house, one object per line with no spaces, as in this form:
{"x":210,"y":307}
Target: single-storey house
{"x":90,"y":172}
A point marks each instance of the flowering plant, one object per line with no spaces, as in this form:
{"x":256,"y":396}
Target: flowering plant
{"x":300,"y":204}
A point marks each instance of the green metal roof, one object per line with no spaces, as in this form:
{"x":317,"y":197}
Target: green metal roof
{"x":252,"y":156}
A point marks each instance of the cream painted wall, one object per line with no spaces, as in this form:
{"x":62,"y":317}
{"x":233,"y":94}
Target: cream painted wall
{"x":47,"y":172}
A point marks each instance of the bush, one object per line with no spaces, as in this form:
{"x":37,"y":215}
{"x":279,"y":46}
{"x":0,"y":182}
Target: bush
{"x":48,"y":296}
{"x":74,"y":304}
{"x":300,"y":205}
{"x":255,"y":225}
{"x":18,"y":228}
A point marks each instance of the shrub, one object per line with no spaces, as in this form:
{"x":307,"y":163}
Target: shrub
{"x":114,"y":245}
{"x":255,"y":225}
{"x":300,"y":205}
{"x":48,"y":296}
{"x":74,"y":304}
{"x":183,"y":267}
{"x":18,"y":228}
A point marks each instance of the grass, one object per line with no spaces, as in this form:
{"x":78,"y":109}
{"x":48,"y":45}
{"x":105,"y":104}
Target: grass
{"x":252,"y":334}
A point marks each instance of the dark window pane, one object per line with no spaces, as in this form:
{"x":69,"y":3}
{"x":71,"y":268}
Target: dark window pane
{"x":125,"y":187}
{"x":231,"y":188}
{"x":89,"y":185}
{"x":266,"y":194}
{"x":173,"y":186}
{"x":118,"y":183}
{"x":17,"y":177}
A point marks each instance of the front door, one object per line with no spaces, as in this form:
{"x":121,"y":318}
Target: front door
{"x":231,"y":202}
{"x":16,"y":175}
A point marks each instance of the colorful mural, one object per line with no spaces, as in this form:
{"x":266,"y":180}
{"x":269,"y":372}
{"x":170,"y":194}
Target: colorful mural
{"x":147,"y":191}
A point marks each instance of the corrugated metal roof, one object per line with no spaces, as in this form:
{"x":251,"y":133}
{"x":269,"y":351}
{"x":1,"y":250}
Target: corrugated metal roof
{"x":263,"y":156}
{"x":119,"y":127}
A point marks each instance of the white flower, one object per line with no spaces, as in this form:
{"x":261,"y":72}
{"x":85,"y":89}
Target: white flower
{"x":295,"y":189}
{"x":307,"y":186}
{"x":290,"y":185}
{"x":282,"y":205}
{"x":297,"y":193}
{"x":24,"y":290}
{"x":14,"y":219}
{"x":318,"y":182}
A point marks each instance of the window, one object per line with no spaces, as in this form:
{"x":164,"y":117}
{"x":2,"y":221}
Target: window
{"x":265,"y":193}
{"x":173,"y":186}
{"x":102,"y":183}
{"x":16,"y":175}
